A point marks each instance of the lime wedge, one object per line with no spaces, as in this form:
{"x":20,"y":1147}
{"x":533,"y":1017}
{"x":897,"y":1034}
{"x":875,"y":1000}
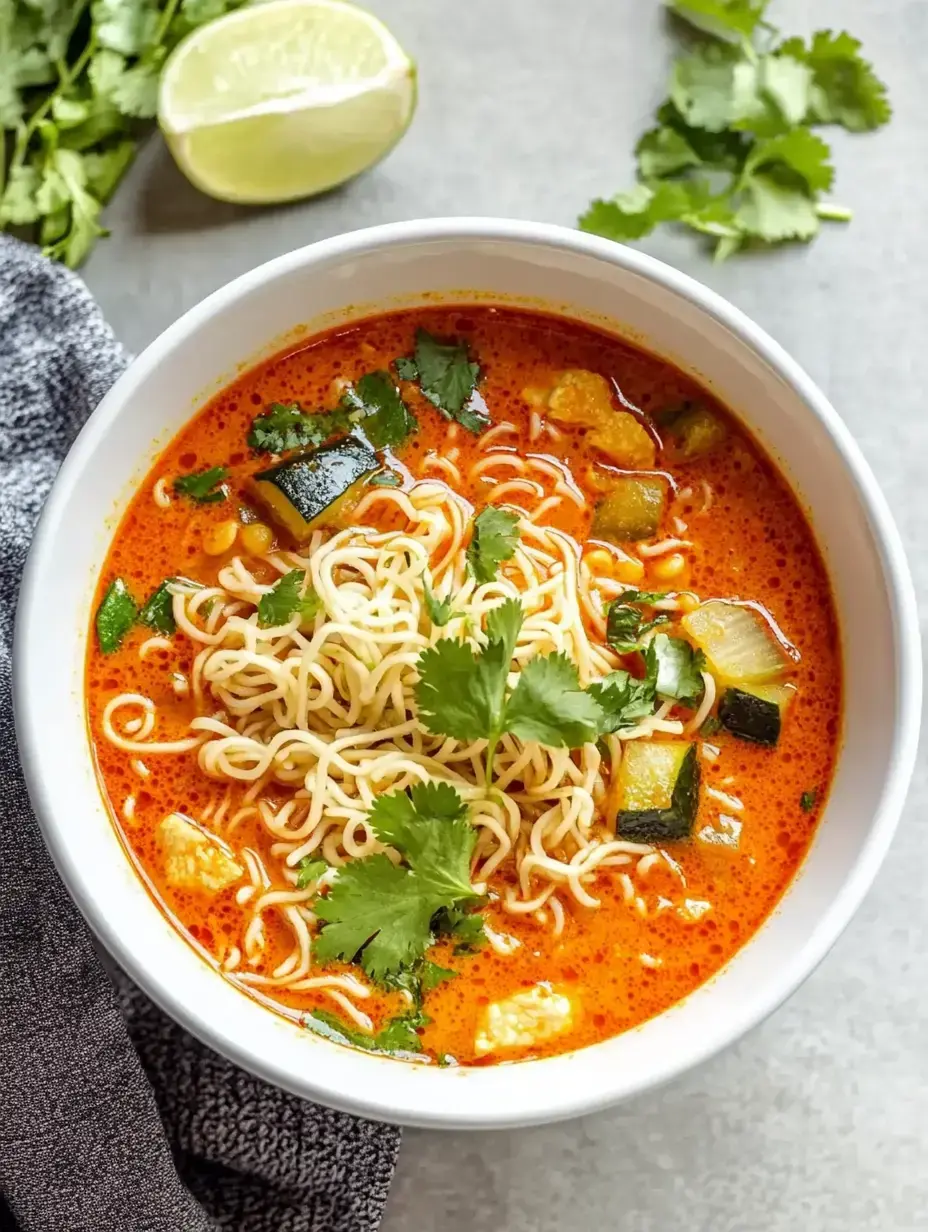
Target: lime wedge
{"x":285,"y":99}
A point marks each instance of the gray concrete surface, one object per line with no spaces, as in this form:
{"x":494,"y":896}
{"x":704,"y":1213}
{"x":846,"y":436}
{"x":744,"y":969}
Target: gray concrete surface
{"x":818,"y":1120}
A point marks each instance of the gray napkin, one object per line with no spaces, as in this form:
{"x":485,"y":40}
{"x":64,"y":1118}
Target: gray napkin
{"x":111,"y":1117}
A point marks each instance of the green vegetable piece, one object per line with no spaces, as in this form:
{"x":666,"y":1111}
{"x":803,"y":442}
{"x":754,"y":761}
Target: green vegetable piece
{"x":158,"y":610}
{"x":633,"y":509}
{"x":808,"y":799}
{"x":202,"y":487}
{"x":734,"y":21}
{"x":755,"y":714}
{"x":387,"y":420}
{"x":285,"y":426}
{"x":316,"y":487}
{"x":494,"y":538}
{"x":658,"y":791}
{"x":448,"y":379}
{"x":737,"y":641}
{"x":624,"y":701}
{"x":675,"y":668}
{"x":116,"y":615}
{"x":694,"y":432}
{"x":440,"y":610}
{"x":309,"y":871}
{"x":285,"y":599}
{"x":625,"y":623}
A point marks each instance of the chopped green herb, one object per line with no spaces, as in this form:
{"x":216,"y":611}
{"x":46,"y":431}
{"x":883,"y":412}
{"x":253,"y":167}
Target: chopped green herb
{"x":309,"y":871}
{"x":710,"y":727}
{"x":465,"y":695}
{"x":202,"y":487}
{"x":448,"y":379}
{"x":494,"y":538}
{"x":440,"y":610}
{"x":116,"y":615}
{"x":675,"y":668}
{"x":733,"y":156}
{"x":158,"y":609}
{"x":381,"y":913}
{"x":286,"y":598}
{"x":464,"y":925}
{"x":285,"y":426}
{"x":396,"y":1036}
{"x":433,"y":974}
{"x":625,"y":624}
{"x":387,"y":420}
{"x":808,"y":799}
{"x":624,"y":701}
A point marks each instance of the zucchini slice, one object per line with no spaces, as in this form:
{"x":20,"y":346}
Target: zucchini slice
{"x":737,"y":641}
{"x":755,"y":714}
{"x":694,"y":431}
{"x":658,"y":791}
{"x":316,"y":486}
{"x":632,"y":510}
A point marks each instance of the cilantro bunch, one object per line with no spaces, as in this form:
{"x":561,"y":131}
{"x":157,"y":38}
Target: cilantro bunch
{"x":733,"y":155}
{"x":78,"y":89}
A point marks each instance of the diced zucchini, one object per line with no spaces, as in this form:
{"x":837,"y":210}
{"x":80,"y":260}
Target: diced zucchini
{"x":755,"y":713}
{"x":737,"y":641}
{"x":693,"y":432}
{"x":658,"y":791}
{"x":315,"y":487}
{"x":632,"y":510}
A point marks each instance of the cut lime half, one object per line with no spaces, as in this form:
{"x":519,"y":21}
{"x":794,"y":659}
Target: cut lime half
{"x":285,"y":99}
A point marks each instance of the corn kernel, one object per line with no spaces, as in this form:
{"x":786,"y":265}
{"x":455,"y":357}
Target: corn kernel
{"x":257,"y":538}
{"x":628,"y":569}
{"x":669,"y":567}
{"x":219,"y":539}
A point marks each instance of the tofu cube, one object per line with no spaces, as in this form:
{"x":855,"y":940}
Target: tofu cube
{"x":524,"y":1019}
{"x":193,"y":859}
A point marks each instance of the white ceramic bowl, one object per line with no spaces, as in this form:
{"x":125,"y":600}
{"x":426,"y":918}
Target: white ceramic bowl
{"x":398,"y":265}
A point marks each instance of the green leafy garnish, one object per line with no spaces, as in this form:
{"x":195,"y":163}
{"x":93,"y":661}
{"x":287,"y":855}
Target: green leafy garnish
{"x":494,"y":537}
{"x":624,"y":701}
{"x":78,"y":90}
{"x":433,"y":974}
{"x":286,"y":598}
{"x":202,"y":487}
{"x":465,"y":694}
{"x":733,"y":156}
{"x":625,"y":623}
{"x":398,"y":1035}
{"x":711,"y":726}
{"x":808,"y":800}
{"x":381,"y":913}
{"x":466,"y":926}
{"x":116,"y":615}
{"x":675,"y":668}
{"x":440,"y":610}
{"x":387,"y":420}
{"x":158,"y":610}
{"x":447,"y":378}
{"x":285,"y":426}
{"x":310,"y":870}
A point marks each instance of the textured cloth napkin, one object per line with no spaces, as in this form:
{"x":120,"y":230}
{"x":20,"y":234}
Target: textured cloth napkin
{"x":113,"y":1119}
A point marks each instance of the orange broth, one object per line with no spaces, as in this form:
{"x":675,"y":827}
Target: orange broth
{"x":753,"y":543}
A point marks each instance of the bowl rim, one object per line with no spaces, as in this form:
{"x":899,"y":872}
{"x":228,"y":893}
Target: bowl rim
{"x":563,"y":1101}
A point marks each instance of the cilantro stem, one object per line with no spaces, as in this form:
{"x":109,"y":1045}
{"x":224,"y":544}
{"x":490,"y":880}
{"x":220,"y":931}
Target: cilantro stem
{"x":833,"y":213}
{"x":65,"y":79}
{"x":491,"y":756}
{"x":167,"y":17}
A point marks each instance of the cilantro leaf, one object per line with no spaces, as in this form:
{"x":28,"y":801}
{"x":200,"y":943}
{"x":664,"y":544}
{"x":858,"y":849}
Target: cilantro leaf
{"x":433,"y":974}
{"x":383,"y":911}
{"x":440,"y":610}
{"x":845,"y":89}
{"x":494,"y":538}
{"x":625,"y":626}
{"x":664,"y":151}
{"x":623,"y":700}
{"x":309,"y":871}
{"x":202,"y":487}
{"x":464,"y":925}
{"x":285,"y":426}
{"x":448,"y":379}
{"x":115,"y":616}
{"x":285,"y":599}
{"x":675,"y":668}
{"x":126,"y":26}
{"x":387,"y":419}
{"x":731,"y":20}
{"x":158,"y":611}
{"x":398,"y":1035}
{"x":800,"y":151}
{"x":702,"y":87}
{"x":634,"y":214}
{"x":773,"y":210}
{"x":548,"y":705}
{"x":406,"y":368}
{"x":808,"y":800}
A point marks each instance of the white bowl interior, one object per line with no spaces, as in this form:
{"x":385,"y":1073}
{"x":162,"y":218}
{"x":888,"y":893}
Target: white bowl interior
{"x":347,"y":278}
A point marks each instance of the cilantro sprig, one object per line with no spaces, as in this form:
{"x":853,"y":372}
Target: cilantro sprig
{"x":286,"y":425}
{"x":285,"y":598}
{"x":78,"y":92}
{"x":494,"y":536}
{"x":625,"y":622}
{"x":381,"y":913}
{"x":733,"y":156}
{"x":204,"y":487}
{"x":448,"y":378}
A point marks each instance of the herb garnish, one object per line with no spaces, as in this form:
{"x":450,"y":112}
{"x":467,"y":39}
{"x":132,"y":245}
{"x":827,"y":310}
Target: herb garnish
{"x":808,"y":799}
{"x":387,"y":420}
{"x":494,"y":538}
{"x":733,"y":156}
{"x":396,"y":1036}
{"x":675,"y":668}
{"x":116,"y":615}
{"x":625,"y":624}
{"x":381,"y":913}
{"x":309,"y":869}
{"x":202,"y":487}
{"x":447,"y":378}
{"x":624,"y":700}
{"x":158,"y":610}
{"x":440,"y":610}
{"x":285,"y":426}
{"x":465,"y":694}
{"x":285,"y":599}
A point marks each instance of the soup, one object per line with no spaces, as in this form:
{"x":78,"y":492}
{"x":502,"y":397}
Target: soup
{"x":465,"y":684}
